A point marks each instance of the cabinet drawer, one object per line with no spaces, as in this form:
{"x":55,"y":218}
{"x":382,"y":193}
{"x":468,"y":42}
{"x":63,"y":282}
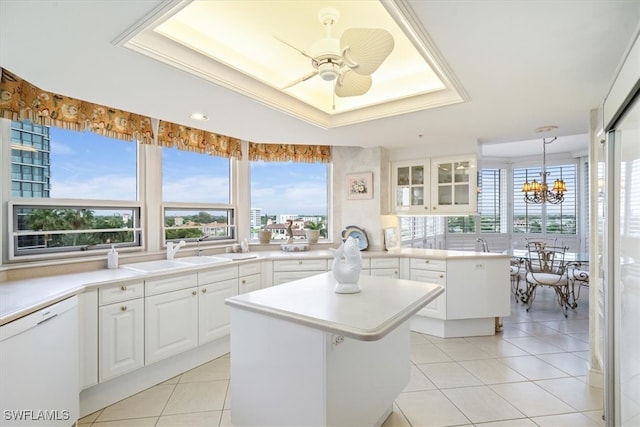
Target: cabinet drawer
{"x":385,"y":262}
{"x":168,"y":284}
{"x":124,"y":292}
{"x":300,"y":265}
{"x":217,"y":275}
{"x":250,"y":268}
{"x":280,"y":277}
{"x":428,"y":264}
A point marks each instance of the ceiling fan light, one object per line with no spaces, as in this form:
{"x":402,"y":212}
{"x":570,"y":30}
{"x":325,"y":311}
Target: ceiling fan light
{"x":328,"y":71}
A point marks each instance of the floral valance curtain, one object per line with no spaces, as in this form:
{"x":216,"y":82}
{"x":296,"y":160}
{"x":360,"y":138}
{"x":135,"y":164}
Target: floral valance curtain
{"x":290,"y":152}
{"x":197,"y":140}
{"x":20,"y":100}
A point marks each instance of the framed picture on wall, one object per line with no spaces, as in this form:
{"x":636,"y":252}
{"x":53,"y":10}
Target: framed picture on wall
{"x":360,"y":186}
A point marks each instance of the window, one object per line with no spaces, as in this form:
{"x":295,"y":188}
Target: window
{"x":196,"y":194}
{"x":422,"y":231}
{"x":71,"y":191}
{"x":492,"y":205}
{"x":545,"y":218}
{"x":288,"y":190}
{"x":46,"y":227}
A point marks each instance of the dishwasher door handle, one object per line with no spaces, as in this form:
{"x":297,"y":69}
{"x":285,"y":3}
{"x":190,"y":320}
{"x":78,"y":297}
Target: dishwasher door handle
{"x":47,"y":319}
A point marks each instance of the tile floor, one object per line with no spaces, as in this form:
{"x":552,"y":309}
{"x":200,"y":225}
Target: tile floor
{"x":533,"y":373}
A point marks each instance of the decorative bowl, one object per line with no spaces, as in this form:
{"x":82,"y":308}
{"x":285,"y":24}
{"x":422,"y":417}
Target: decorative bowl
{"x":295,"y":247}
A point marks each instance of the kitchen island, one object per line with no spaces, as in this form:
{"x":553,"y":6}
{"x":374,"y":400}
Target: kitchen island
{"x":305,"y":355}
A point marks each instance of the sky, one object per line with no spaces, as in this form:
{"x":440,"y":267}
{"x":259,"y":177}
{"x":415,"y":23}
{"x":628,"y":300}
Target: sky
{"x":85,"y":165}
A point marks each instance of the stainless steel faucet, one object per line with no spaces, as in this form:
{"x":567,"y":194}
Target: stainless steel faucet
{"x":485,"y":247}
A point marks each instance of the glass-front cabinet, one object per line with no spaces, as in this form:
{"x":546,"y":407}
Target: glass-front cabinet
{"x":454,"y":185}
{"x":411,"y":191}
{"x":433,"y":186}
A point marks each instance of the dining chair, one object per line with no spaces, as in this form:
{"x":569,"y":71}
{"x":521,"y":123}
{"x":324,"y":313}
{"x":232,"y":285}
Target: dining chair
{"x":545,"y":266}
{"x":578,"y":278}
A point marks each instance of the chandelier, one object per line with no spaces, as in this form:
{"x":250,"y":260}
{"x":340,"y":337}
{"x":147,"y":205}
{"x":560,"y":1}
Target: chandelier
{"x":538,"y":192}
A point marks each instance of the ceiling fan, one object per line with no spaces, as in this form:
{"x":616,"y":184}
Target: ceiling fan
{"x":348,"y":61}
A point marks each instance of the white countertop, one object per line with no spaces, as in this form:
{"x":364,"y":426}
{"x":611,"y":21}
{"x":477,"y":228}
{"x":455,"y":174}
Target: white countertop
{"x":382,"y":305}
{"x":443,"y":253}
{"x":21,"y":297}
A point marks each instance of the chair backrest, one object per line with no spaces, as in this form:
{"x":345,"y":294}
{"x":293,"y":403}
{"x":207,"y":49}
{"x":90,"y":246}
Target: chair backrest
{"x":541,"y":242}
{"x":545,"y":259}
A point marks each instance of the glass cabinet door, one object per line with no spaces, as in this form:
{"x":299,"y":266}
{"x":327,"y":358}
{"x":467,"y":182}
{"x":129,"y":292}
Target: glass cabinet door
{"x":409,"y":186}
{"x":453,"y":185}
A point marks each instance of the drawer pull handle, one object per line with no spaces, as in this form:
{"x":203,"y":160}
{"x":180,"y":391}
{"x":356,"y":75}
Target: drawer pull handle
{"x":442,"y":276}
{"x":244,"y":281}
{"x":194,"y":293}
{"x":426,"y":261}
{"x":123,"y":308}
{"x":299,"y":262}
{"x":124,"y":288}
{"x":204,"y":291}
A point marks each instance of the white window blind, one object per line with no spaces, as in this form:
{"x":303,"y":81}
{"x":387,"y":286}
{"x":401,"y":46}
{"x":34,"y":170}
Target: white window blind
{"x":545,"y":218}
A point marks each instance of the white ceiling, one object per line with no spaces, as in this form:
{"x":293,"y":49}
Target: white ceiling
{"x":522,"y":64}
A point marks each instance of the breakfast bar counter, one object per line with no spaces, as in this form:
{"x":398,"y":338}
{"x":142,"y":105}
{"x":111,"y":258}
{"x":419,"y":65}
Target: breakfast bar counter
{"x":305,"y":355}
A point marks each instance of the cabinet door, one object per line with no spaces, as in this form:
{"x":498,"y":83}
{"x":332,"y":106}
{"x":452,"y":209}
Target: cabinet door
{"x":171,"y":324}
{"x":249,"y":283}
{"x":121,"y":336}
{"x":437,"y":307}
{"x":214,"y":319}
{"x":454,"y":184}
{"x":410,"y":189}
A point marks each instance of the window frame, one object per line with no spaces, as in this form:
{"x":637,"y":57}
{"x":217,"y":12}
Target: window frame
{"x":231,"y":237}
{"x":72,"y":251}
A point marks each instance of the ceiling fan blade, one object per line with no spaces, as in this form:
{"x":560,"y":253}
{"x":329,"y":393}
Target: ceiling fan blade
{"x":352,"y":84}
{"x":301,"y":79}
{"x":293,"y":47}
{"x":365,"y":49}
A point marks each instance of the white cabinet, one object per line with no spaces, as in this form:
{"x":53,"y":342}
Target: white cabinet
{"x":443,"y":185}
{"x":454,"y":185}
{"x":381,"y":267}
{"x":410,"y":189}
{"x":214,"y":286}
{"x":289,"y":270}
{"x":431,"y":271}
{"x":121,"y":338}
{"x":171,"y":325}
{"x":250,"y":277}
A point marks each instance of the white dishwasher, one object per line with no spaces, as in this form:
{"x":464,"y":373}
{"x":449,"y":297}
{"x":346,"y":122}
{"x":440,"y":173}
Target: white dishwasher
{"x":39,"y":373}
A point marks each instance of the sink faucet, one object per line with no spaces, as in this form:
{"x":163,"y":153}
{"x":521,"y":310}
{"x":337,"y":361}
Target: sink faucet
{"x":485,"y":247}
{"x":172,"y":249}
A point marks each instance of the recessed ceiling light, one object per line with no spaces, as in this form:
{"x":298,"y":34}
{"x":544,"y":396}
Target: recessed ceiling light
{"x":199,"y":116}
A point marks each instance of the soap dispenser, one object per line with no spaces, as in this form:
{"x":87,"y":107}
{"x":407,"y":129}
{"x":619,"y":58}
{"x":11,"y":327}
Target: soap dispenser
{"x":112,"y":258}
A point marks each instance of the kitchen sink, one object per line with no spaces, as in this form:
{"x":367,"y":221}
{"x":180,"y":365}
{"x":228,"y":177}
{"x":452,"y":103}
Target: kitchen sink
{"x":156,"y":266}
{"x":204,"y":259}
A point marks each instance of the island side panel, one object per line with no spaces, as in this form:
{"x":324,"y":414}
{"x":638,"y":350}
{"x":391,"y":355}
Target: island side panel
{"x":277,"y":371}
{"x":478,"y":288}
{"x":287,"y":374}
{"x":365,"y":377}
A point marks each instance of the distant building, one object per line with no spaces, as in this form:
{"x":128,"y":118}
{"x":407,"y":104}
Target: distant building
{"x":30,"y":160}
{"x":282,"y":218}
{"x":256,"y":217}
